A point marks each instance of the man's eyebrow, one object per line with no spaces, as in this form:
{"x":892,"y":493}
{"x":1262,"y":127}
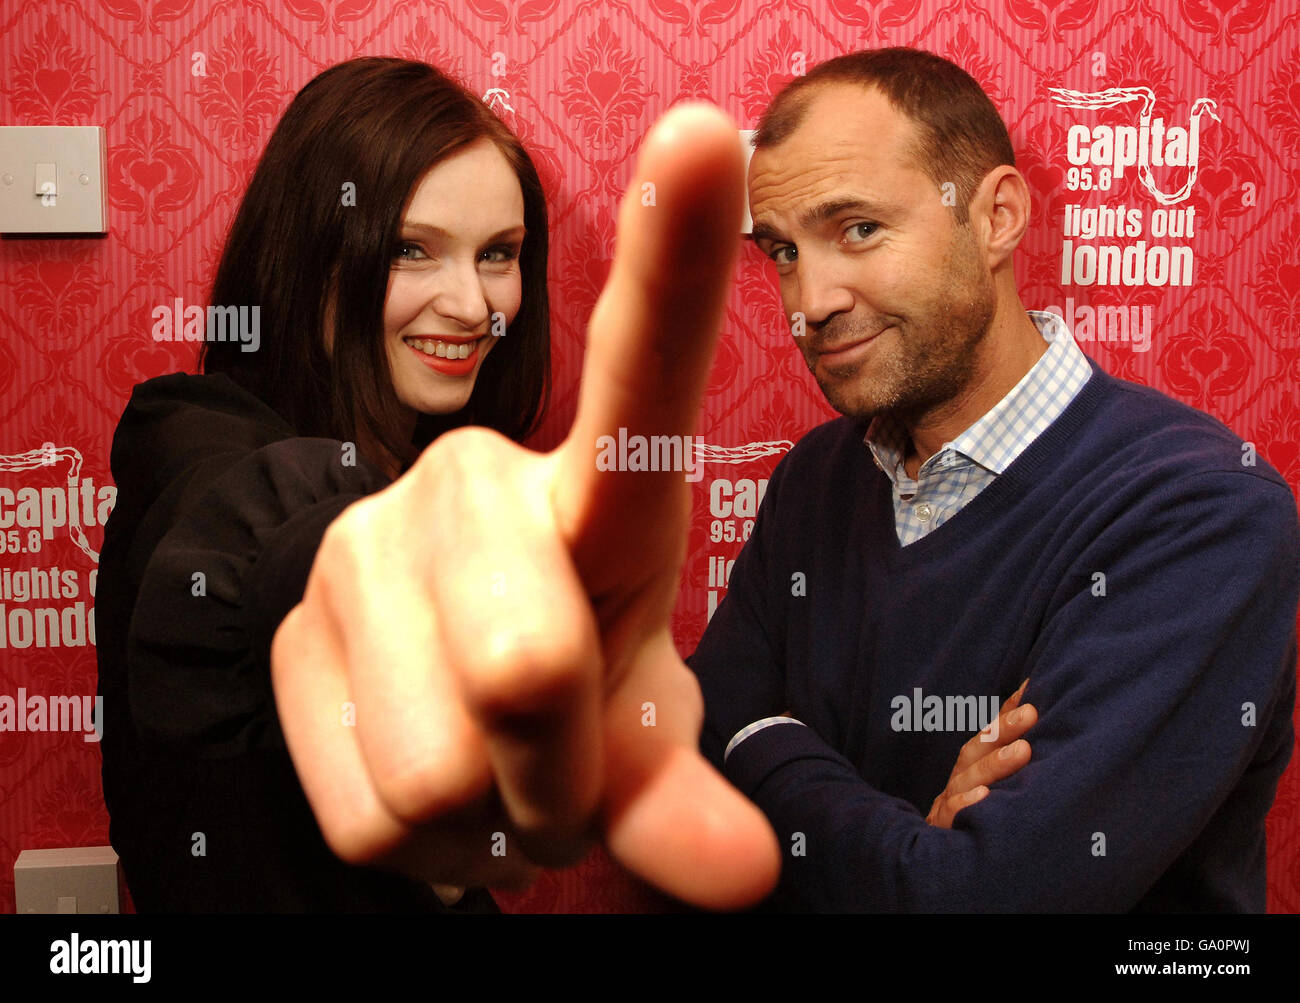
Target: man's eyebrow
{"x":438,"y":231}
{"x":823,"y":211}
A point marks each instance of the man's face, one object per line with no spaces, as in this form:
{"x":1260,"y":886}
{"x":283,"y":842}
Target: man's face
{"x":896,"y":296}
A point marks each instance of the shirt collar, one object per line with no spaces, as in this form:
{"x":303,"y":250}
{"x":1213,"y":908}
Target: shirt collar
{"x":996,"y":438}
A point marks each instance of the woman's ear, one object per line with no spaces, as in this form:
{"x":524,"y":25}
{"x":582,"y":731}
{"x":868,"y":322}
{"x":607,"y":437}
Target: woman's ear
{"x":1000,"y":210}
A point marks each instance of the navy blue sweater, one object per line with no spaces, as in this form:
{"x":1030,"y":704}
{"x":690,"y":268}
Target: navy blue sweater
{"x":1164,"y":689}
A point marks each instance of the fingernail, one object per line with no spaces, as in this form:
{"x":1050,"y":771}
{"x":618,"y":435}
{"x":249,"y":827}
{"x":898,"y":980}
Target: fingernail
{"x":1005,"y":752}
{"x":1015,"y":716}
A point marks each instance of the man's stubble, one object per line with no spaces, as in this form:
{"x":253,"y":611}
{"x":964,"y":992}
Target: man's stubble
{"x":935,"y":354}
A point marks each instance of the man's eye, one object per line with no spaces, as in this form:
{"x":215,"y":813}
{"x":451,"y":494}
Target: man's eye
{"x":407,"y":246}
{"x":784,"y":255}
{"x":859,"y":232}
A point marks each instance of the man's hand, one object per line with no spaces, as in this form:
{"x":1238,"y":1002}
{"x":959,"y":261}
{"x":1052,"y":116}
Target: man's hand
{"x":496,"y":621}
{"x":993,"y":754}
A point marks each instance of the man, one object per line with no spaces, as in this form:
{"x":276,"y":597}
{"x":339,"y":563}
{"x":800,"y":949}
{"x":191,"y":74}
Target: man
{"x":514,"y":678}
{"x":993,"y":506}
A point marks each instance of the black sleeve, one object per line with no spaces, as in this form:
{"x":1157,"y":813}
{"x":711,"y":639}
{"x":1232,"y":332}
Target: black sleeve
{"x":234,"y":561}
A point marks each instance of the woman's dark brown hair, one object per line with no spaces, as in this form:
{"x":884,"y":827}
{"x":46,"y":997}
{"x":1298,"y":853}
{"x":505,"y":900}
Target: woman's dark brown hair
{"x":373,"y":126}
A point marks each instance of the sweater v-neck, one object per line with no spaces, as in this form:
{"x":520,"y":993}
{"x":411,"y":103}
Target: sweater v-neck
{"x":1011,"y":483}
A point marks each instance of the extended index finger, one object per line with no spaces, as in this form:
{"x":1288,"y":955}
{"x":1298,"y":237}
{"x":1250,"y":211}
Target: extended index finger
{"x":651,"y":339}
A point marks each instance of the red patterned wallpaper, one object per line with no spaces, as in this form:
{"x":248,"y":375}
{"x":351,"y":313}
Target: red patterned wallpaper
{"x":189,"y":92}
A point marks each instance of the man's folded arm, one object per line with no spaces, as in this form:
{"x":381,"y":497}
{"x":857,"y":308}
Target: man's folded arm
{"x":1154,"y":700}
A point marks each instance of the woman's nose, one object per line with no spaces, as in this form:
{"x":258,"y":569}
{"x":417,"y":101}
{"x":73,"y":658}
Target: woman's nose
{"x":460,"y":296}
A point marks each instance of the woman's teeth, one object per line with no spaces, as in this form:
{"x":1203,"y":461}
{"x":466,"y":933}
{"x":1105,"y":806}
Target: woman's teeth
{"x":442,"y":349}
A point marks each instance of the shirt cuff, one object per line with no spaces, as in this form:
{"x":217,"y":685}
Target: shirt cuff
{"x":748,"y":730}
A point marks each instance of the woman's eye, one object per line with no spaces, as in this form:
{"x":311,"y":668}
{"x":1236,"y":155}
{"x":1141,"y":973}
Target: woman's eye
{"x":500,"y":255}
{"x":407,"y":246}
{"x":860,"y":231}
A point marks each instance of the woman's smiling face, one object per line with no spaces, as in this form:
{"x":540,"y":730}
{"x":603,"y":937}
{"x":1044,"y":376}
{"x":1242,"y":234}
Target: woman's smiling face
{"x":454,"y":279}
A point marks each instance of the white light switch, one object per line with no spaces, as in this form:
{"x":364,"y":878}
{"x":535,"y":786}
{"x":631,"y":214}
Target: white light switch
{"x":52,"y":181}
{"x":46,"y":182}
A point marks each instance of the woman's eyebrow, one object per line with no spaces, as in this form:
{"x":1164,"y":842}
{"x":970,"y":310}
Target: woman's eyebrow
{"x":438,"y":231}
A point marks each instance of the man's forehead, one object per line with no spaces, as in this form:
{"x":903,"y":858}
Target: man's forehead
{"x":849,"y":115}
{"x":850,"y":139}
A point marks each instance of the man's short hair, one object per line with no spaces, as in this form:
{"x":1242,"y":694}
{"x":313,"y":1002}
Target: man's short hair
{"x":961,"y":136}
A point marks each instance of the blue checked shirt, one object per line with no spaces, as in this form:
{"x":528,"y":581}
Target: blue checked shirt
{"x":963,"y":468}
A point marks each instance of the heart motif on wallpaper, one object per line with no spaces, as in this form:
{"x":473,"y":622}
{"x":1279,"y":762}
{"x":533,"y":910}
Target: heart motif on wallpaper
{"x":53,"y":84}
{"x":147,"y":360}
{"x":1216,"y":180}
{"x":1046,"y":179}
{"x":56,"y":274}
{"x":1206,"y":360}
{"x":149,"y":174}
{"x":1285,"y":456}
{"x":603,"y":86}
{"x":239,"y":83}
{"x":1290,"y":276}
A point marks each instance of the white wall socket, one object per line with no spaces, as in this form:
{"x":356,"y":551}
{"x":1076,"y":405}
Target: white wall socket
{"x":81,"y":879}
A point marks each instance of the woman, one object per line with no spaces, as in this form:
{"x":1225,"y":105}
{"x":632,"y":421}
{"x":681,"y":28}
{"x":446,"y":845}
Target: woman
{"x":393,"y":239}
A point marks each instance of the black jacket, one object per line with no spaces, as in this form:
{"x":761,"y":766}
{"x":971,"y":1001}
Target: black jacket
{"x":220,"y":509}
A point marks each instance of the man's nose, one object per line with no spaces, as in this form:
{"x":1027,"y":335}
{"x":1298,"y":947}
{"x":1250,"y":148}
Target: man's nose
{"x":460,"y":296}
{"x":822,"y":289}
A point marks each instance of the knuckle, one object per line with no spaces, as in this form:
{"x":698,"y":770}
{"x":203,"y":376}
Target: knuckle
{"x":458,"y":442}
{"x":422,"y":789}
{"x":451,"y":461}
{"x":461,"y":470}
{"x":512,"y":669}
{"x":343,"y":551}
{"x":354,"y":837}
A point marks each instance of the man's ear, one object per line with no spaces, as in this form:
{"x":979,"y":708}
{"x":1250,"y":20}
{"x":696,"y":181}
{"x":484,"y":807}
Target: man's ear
{"x":1000,"y":212}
